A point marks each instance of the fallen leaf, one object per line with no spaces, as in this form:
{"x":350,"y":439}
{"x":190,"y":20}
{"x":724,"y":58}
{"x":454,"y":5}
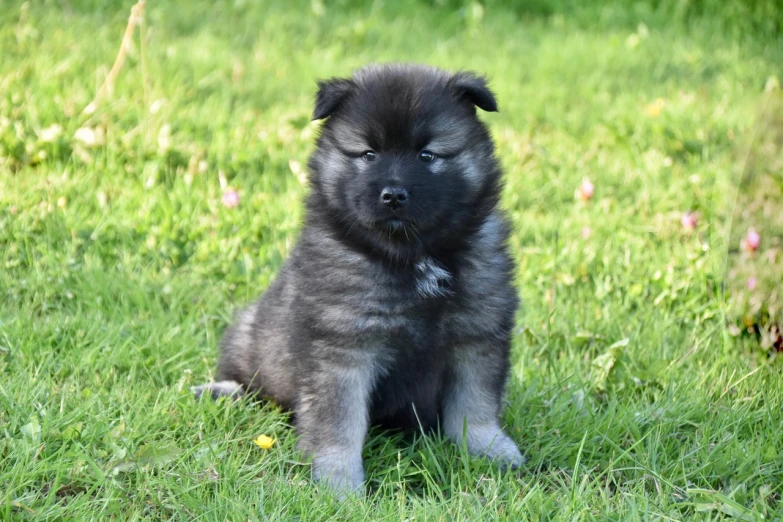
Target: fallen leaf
{"x":32,"y":430}
{"x":150,"y":454}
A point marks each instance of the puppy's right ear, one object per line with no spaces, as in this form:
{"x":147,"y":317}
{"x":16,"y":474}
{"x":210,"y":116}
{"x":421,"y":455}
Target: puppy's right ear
{"x":331,"y":93}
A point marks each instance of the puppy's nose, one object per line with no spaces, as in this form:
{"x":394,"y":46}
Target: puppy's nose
{"x":394,"y":197}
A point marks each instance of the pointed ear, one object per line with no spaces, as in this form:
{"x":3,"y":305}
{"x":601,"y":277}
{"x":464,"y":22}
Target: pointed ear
{"x":331,"y":94}
{"x":474,"y":88}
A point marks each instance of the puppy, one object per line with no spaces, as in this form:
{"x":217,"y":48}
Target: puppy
{"x":395,"y":307}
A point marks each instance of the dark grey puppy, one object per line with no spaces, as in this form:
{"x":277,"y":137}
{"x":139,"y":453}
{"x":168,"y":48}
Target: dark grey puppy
{"x":396,"y":306}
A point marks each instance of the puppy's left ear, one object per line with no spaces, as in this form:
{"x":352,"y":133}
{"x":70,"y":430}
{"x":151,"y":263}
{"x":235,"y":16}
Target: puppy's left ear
{"x":474,"y":88}
{"x":331,"y":93}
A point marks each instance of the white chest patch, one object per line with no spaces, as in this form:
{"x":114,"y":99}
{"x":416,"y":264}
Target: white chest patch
{"x":432,"y":279}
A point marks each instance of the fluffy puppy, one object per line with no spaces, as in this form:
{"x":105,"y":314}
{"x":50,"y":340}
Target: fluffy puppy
{"x":396,"y":305}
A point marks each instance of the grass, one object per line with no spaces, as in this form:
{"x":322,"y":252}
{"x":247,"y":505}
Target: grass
{"x":121,"y":267}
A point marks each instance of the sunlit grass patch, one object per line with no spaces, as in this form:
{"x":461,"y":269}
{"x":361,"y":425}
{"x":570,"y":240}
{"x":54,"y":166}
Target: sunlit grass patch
{"x":129,"y":235}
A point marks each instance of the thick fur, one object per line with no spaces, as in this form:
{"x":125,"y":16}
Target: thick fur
{"x":395,"y":317}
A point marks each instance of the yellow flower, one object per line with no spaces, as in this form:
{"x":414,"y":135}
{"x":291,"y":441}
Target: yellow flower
{"x":656,"y":107}
{"x":264,"y":442}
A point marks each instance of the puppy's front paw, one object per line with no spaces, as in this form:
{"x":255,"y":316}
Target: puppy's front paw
{"x":341,"y":473}
{"x":491,"y":442}
{"x":505,"y":452}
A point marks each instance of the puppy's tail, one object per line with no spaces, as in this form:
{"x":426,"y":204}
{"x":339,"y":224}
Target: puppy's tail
{"x":219,"y":389}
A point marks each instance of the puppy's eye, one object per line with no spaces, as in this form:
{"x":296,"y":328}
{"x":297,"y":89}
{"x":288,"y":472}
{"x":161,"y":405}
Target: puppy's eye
{"x":426,"y":156}
{"x":369,"y":155}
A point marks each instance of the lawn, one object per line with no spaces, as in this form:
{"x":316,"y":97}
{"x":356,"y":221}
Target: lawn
{"x":637,"y":389}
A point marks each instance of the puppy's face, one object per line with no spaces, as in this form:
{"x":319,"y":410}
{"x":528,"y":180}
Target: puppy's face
{"x":402,"y":153}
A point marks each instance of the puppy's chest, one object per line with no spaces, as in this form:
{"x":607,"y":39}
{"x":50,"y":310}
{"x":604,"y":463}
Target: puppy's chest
{"x":432,"y":280}
{"x":372,"y":304}
{"x":415,"y":297}
{"x":428,"y":283}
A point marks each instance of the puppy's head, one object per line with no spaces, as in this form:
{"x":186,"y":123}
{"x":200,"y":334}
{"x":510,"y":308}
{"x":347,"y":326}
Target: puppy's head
{"x":402,"y":155}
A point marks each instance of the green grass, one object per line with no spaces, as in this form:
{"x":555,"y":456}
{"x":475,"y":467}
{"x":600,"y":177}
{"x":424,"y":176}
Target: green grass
{"x":120,"y":267}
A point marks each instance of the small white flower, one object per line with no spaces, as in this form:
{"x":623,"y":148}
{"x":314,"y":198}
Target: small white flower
{"x":50,"y":133}
{"x":88,"y":136}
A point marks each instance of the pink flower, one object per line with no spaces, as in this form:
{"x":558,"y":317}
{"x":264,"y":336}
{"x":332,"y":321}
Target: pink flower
{"x":751,"y":283}
{"x":230,"y":198}
{"x":689,"y":221}
{"x":585,"y":190}
{"x":751,"y":241}
{"x":586,"y":232}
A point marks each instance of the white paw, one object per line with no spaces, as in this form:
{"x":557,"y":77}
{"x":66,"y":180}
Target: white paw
{"x":218,"y":389}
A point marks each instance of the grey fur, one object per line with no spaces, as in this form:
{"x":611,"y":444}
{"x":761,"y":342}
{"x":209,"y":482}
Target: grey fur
{"x":396,"y":316}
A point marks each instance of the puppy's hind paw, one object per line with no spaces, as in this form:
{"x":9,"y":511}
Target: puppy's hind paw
{"x":219,"y":389}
